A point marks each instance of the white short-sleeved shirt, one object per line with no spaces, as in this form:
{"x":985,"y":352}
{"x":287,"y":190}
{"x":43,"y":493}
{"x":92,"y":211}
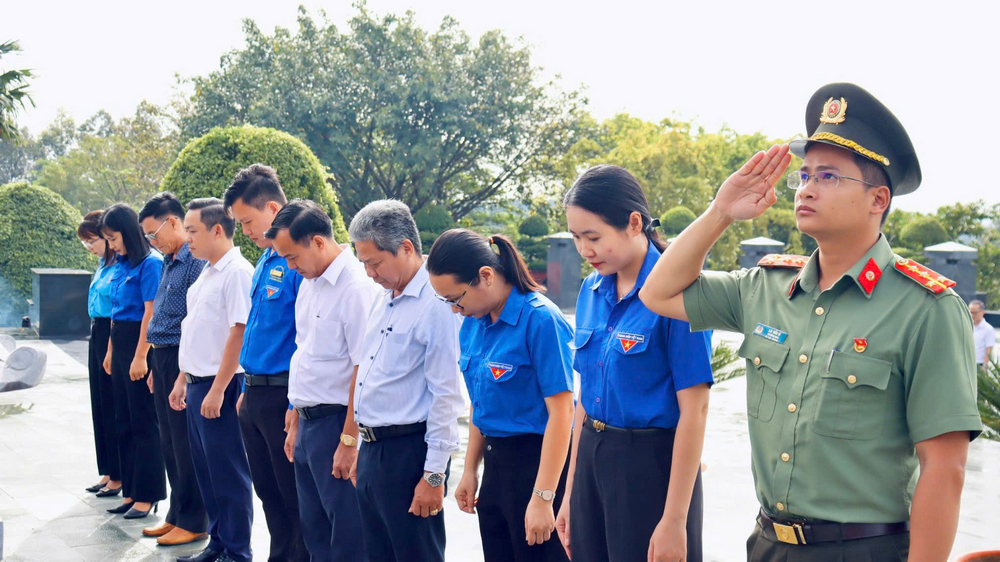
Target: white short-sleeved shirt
{"x":218,"y":300}
{"x":331,"y":314}
{"x":985,"y":336}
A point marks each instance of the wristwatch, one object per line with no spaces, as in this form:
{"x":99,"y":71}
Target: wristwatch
{"x":348,"y":440}
{"x":435,"y":479}
{"x":547,"y":495}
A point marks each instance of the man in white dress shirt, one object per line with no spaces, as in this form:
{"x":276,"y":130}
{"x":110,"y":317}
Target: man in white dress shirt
{"x":984,"y":335}
{"x":407,"y":398}
{"x":211,"y":336}
{"x":331,"y":313}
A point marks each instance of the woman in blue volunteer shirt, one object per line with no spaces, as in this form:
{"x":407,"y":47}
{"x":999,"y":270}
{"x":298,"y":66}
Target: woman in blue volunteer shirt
{"x":134,"y":286}
{"x":517,"y":363}
{"x":635,"y":489}
{"x":102,"y":399}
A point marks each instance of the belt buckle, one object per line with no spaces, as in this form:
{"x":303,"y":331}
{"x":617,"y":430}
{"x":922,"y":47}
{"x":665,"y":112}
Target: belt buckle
{"x":599,"y":425}
{"x":791,"y":534}
{"x":366,"y":433}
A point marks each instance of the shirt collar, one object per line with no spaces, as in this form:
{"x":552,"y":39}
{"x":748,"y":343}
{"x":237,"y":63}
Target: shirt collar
{"x":511,"y":312}
{"x":179,"y":256}
{"x":416,"y":285}
{"x":227,"y":258}
{"x":866,"y":273}
{"x":338,"y":265}
{"x":652,"y":255}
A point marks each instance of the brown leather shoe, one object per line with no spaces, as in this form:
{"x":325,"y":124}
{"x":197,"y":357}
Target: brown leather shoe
{"x":157,"y":531}
{"x":180,"y":536}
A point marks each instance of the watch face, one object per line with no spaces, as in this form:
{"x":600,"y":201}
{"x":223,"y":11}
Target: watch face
{"x":435,"y":479}
{"x":548,"y":495}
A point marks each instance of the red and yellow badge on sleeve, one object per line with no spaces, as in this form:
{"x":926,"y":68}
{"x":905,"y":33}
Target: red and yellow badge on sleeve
{"x":926,"y":278}
{"x":783,"y":260}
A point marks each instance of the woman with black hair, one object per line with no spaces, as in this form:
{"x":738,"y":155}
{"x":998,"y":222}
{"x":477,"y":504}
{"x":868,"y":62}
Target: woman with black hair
{"x":634,"y":485}
{"x":102,"y":399}
{"x":517,"y":364}
{"x":134,"y":286}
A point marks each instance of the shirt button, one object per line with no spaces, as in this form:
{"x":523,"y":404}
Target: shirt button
{"x":372,"y":357}
{"x":489,"y":447}
{"x":785,"y":457}
{"x":803,"y":358}
{"x":598,"y":399}
{"x":852,"y":379}
{"x":600,"y":363}
{"x":611,"y":328}
{"x":780,"y":506}
{"x":756,"y":361}
{"x":819,"y":311}
{"x":792,"y":408}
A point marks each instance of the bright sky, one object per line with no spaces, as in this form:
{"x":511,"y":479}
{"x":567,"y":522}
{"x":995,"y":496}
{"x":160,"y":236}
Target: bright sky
{"x":751,"y":65}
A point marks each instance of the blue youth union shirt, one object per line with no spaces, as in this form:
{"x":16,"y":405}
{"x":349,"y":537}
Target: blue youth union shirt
{"x":632,"y":361}
{"x":512,"y":365}
{"x":269,"y":339}
{"x":134,"y":286}
{"x":99,"y":296}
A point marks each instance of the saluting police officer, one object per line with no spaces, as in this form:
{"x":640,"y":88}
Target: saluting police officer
{"x":267,"y":421}
{"x":518,"y":367}
{"x":331,"y":315}
{"x":859,"y":362}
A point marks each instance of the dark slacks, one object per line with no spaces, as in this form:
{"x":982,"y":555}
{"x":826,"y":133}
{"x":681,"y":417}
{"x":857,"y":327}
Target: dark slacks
{"x":764,"y":546}
{"x":143,"y":477}
{"x":187,"y":510}
{"x":102,"y":401}
{"x":511,"y":466}
{"x":262,"y":423}
{"x":220,"y":463}
{"x":388,"y":473}
{"x":331,"y":518}
{"x":619,"y":491}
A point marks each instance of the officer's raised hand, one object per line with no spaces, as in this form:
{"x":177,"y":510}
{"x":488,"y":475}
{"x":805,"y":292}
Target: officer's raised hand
{"x":749,"y":191}
{"x":428,"y":499}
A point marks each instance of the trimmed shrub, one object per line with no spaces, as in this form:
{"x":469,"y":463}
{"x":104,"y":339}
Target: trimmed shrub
{"x":675,"y":220}
{"x":534,"y":225}
{"x":37,"y":229}
{"x":922,"y":232}
{"x":208,"y":164}
{"x":432,"y":221}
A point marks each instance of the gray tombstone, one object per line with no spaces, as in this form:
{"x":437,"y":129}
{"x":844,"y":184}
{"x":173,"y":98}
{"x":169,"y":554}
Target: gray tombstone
{"x":756,"y":248}
{"x":563,"y":270}
{"x":956,"y":262}
{"x":59,"y":302}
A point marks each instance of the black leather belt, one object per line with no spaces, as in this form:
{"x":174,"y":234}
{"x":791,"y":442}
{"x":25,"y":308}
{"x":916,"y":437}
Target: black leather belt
{"x":193,"y":379}
{"x":162,"y":346}
{"x":600,"y":426}
{"x":801,"y":532}
{"x":320,"y":411}
{"x":277,"y":379}
{"x":369,"y":434}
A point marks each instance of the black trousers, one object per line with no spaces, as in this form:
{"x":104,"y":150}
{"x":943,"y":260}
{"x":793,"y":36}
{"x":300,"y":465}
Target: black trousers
{"x":331,"y":521}
{"x":187,"y":510}
{"x":764,"y":546}
{"x":388,"y":473}
{"x":262,"y":423}
{"x":102,"y":401}
{"x":143,"y":478}
{"x":511,"y":466}
{"x":619,"y":490}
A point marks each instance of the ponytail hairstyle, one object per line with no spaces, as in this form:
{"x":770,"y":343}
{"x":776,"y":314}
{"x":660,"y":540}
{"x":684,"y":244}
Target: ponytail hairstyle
{"x":462,"y":253}
{"x":613,"y":194}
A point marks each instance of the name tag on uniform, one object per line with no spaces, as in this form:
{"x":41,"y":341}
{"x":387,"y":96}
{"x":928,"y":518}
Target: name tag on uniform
{"x":277,"y":273}
{"x":769,"y":333}
{"x":499,"y":369}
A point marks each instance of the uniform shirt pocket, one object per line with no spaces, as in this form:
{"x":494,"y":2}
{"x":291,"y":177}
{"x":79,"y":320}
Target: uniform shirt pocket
{"x":852,"y":397}
{"x":764,"y":361}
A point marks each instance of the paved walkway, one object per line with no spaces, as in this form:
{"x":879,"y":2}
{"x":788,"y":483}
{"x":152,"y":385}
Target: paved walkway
{"x":47,"y":458}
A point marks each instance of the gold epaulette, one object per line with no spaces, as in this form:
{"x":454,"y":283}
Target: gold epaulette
{"x":926,"y":278}
{"x":783,"y":260}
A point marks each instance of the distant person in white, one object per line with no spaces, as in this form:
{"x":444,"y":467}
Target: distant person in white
{"x":984,"y":335}
{"x":331,"y":314}
{"x":218,"y":304}
{"x":407,"y":398}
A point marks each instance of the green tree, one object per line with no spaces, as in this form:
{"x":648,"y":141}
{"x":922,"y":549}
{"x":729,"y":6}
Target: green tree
{"x":895,"y":223}
{"x":38,"y":229}
{"x":14,"y":95}
{"x":533,"y":243}
{"x":922,"y":232}
{"x":988,"y":265}
{"x":208,"y":164}
{"x":432,"y":221}
{"x":961,"y":219}
{"x":394,"y":110}
{"x":676,"y":219}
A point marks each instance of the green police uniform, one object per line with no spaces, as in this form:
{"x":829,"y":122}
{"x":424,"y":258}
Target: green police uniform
{"x":842,"y":383}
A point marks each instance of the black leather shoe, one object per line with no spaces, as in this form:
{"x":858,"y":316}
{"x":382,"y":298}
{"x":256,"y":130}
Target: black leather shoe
{"x":224,"y":558}
{"x":108,"y":492}
{"x":123,"y":508}
{"x":207,"y":555}
{"x":136,"y":514}
{"x":95,"y":488}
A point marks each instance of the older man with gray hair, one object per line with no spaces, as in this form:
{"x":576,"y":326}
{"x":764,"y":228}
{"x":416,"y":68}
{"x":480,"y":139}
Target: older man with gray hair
{"x":407,"y":399}
{"x":983,"y":334}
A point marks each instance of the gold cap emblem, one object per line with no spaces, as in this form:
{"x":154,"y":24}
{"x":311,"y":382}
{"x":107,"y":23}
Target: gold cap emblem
{"x":834,"y":111}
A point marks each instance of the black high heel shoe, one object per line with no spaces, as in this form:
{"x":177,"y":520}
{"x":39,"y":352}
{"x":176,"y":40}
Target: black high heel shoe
{"x":109,"y":492}
{"x":95,"y":488}
{"x":123,"y":508}
{"x":136,"y":514}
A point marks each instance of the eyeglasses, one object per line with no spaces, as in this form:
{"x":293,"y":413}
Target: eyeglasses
{"x":825,"y":180}
{"x":89,"y":244}
{"x":152,"y":237}
{"x":454,"y":302}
